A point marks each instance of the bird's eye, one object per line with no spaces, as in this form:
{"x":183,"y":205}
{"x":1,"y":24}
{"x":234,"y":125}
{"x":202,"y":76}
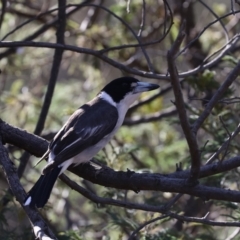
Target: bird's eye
{"x":125,"y":85}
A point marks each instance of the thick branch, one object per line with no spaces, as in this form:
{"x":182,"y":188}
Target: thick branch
{"x":174,"y":182}
{"x":37,"y":146}
{"x":164,"y":209}
{"x":33,"y":144}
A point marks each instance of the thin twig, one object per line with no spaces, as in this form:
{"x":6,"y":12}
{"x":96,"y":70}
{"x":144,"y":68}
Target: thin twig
{"x":79,"y":50}
{"x":232,"y":41}
{"x":3,"y":11}
{"x":108,"y":201}
{"x":112,"y":62}
{"x":224,"y":145}
{"x":162,"y":91}
{"x":150,"y":66}
{"x":145,"y":224}
{"x":128,"y":6}
{"x":233,"y":234}
{"x":230,"y":100}
{"x":217,"y":18}
{"x":168,"y":112}
{"x":226,"y":101}
{"x":216,"y":97}
{"x":57,"y":58}
{"x":166,"y":7}
{"x":41,"y":30}
{"x":166,"y":32}
{"x":229,"y":136}
{"x":174,"y":182}
{"x":232,"y":7}
{"x":139,"y":163}
{"x":203,"y":220}
{"x":204,"y":29}
{"x":143,"y":18}
{"x":28,"y":21}
{"x":168,"y":205}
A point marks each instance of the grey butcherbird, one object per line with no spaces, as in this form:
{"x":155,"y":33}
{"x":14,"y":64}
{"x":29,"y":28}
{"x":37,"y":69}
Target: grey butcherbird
{"x":86,"y":132}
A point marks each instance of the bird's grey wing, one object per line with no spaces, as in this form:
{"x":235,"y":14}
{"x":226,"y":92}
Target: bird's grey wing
{"x":86,"y":127}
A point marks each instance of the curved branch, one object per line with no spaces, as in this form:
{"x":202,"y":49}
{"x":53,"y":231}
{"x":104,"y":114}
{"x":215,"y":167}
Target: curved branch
{"x":204,"y":29}
{"x":175,"y":182}
{"x":166,"y":32}
{"x":142,"y":24}
{"x":143,"y":225}
{"x":41,"y":229}
{"x":112,"y":62}
{"x":38,"y":32}
{"x":179,"y":102}
{"x":57,"y":58}
{"x":217,"y":18}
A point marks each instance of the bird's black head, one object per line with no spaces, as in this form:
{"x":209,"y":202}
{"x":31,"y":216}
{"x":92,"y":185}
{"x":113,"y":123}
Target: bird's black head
{"x":119,"y":88}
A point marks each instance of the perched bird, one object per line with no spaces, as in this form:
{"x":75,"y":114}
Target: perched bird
{"x":86,"y":132}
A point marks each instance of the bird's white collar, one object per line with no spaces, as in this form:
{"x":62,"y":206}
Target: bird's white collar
{"x":103,"y":95}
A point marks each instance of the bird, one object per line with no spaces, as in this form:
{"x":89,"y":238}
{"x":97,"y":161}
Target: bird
{"x":85,"y":133}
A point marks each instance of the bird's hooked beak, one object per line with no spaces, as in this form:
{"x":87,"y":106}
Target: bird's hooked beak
{"x":144,"y":87}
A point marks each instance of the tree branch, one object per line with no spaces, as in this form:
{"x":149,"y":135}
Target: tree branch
{"x":3,"y":11}
{"x":57,"y":58}
{"x":164,"y":209}
{"x":38,"y":32}
{"x":174,"y":182}
{"x":179,"y":102}
{"x":112,"y":62}
{"x":41,"y":229}
{"x":143,"y":225}
{"x":50,"y":89}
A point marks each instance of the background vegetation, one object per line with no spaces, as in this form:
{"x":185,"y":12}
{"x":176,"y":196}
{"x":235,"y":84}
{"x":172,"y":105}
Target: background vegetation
{"x":173,"y":168}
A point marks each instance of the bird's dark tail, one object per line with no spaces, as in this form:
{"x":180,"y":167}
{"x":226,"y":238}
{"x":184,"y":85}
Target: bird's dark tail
{"x":40,"y":192}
